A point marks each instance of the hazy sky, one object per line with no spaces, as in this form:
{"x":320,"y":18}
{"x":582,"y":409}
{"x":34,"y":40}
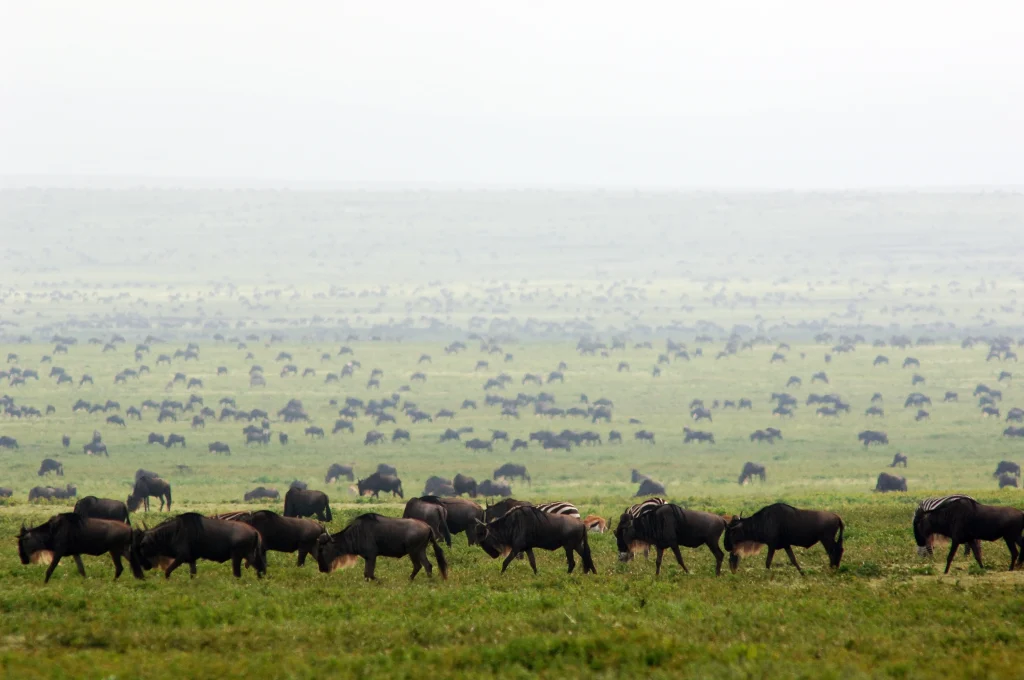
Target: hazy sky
{"x":669,"y":94}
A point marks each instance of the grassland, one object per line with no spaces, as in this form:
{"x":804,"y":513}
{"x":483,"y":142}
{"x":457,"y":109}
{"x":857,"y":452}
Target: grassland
{"x":885,"y":613}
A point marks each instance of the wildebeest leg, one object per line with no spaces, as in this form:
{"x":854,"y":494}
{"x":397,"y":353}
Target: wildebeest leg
{"x":719,"y":555}
{"x":679,"y":558}
{"x":1013,"y":551}
{"x":81,"y":567}
{"x":174,"y":565}
{"x":370,"y":563}
{"x":734,"y":561}
{"x":236,"y":565}
{"x":415,"y":557}
{"x":570,"y":558}
{"x":657,"y":560}
{"x":952,"y":554}
{"x":533,"y":562}
{"x":118,"y":569}
{"x":508,"y":560}
{"x":302,"y":557}
{"x":792,"y":558}
{"x":53,"y":565}
{"x":771,"y":556}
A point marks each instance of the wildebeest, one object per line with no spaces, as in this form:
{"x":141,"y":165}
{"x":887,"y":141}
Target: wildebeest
{"x":385,"y":469}
{"x":490,"y":489}
{"x":644,"y":436}
{"x":512,"y":471}
{"x":49,"y":492}
{"x":65,"y":441}
{"x":463,"y":515}
{"x":464,"y":484}
{"x":306,"y":503}
{"x":156,"y":438}
{"x":670,"y":526}
{"x":371,"y":536}
{"x":1007,"y":480}
{"x":1007,"y":467}
{"x":190,"y":537}
{"x":219,"y":447}
{"x":868,"y":437}
{"x":637,"y":476}
{"x":173,"y":439}
{"x":480,"y":444}
{"x":887,"y":482}
{"x":899,"y":459}
{"x":337,"y":471}
{"x":525,"y":527}
{"x":378,"y":482}
{"x":649,"y":487}
{"x":697,"y":436}
{"x":966,"y":521}
{"x":315,"y":432}
{"x":781,"y":526}
{"x":751,"y":470}
{"x":51,"y":465}
{"x":261,"y":492}
{"x":8,"y":442}
{"x":75,"y":535}
{"x":430,"y":510}
{"x":102,"y":508}
{"x":284,"y":534}
{"x":146,"y":486}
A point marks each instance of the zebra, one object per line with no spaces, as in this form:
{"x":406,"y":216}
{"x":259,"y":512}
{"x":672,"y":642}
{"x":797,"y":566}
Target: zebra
{"x":559,"y":508}
{"x":929,"y":504}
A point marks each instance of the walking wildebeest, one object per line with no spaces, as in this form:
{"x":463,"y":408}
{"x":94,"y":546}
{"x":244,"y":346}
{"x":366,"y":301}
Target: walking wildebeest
{"x":146,"y":486}
{"x":899,"y":459}
{"x":512,"y":471}
{"x":887,"y":482}
{"x":966,"y":521}
{"x":524,"y":528}
{"x":260,"y":493}
{"x":378,"y":482}
{"x":49,"y":492}
{"x":337,"y":471}
{"x":190,"y":537}
{"x":463,"y":515}
{"x":1007,"y":467}
{"x":464,"y":484}
{"x":306,"y":503}
{"x":781,"y":526}
{"x":371,"y":536}
{"x":644,"y":435}
{"x":51,"y":465}
{"x":102,"y":508}
{"x":751,"y":470}
{"x":433,"y":512}
{"x":670,"y":526}
{"x":75,"y":535}
{"x":284,"y":534}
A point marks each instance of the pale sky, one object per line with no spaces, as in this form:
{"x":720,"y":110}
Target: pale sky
{"x":564,"y":93}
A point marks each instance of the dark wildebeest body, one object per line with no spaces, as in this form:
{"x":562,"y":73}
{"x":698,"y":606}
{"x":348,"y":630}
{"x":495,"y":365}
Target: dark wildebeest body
{"x":371,"y":536}
{"x":306,"y":503}
{"x":524,"y":528}
{"x":378,"y":482}
{"x":751,"y":470}
{"x":463,"y":515}
{"x":463,"y":484}
{"x":102,"y":508}
{"x":650,"y":487}
{"x":436,"y":485}
{"x":337,"y":471}
{"x":1007,"y":467}
{"x":1007,"y":480}
{"x":72,"y":534}
{"x":887,"y":482}
{"x":433,"y":512}
{"x":284,"y":534}
{"x":261,"y":492}
{"x":146,"y":486}
{"x":668,"y":527}
{"x":488,"y":488}
{"x":51,"y":465}
{"x":637,"y":476}
{"x":966,"y":521}
{"x":385,"y":469}
{"x":899,"y":459}
{"x":190,"y":537}
{"x":511,"y":471}
{"x":781,"y":526}
{"x":49,"y":492}
{"x":502,"y":508}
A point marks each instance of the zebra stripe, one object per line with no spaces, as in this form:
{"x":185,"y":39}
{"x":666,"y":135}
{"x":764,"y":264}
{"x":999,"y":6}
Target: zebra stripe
{"x":929,"y":504}
{"x":635,"y":511}
{"x":559,"y":508}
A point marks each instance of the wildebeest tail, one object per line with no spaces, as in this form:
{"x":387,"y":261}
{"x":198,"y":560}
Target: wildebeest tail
{"x":327,"y":512}
{"x":442,"y":562}
{"x":168,"y":498}
{"x":837,"y":552}
{"x":588,"y":560}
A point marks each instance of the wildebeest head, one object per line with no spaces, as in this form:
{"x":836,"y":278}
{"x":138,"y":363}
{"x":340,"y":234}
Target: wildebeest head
{"x":489,"y":540}
{"x":923,"y":535}
{"x":142,"y":551}
{"x":625,"y":538}
{"x":330,"y":553}
{"x":133,"y":502}
{"x":35,"y":545}
{"x":737,"y":539}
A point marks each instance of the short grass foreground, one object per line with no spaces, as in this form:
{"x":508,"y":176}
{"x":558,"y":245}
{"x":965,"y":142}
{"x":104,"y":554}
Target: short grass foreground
{"x":885,"y":612}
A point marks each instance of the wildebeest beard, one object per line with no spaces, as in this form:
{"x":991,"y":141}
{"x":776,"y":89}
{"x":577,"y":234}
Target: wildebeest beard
{"x":32,"y":547}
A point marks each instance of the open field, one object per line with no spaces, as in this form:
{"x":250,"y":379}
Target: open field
{"x":886,"y":612}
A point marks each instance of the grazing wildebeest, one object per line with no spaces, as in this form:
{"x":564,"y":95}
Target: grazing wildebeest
{"x":781,"y":526}
{"x":284,"y":534}
{"x":156,"y":438}
{"x":6,"y":492}
{"x":400,"y":434}
{"x":697,"y":436}
{"x":869,"y":437}
{"x":102,"y":508}
{"x":219,"y":447}
{"x":490,"y":489}
{"x":373,"y":437}
{"x":480,"y":444}
{"x":306,"y":503}
{"x":378,"y":482}
{"x":512,"y":471}
{"x":337,"y":471}
{"x":669,"y":526}
{"x":463,"y":515}
{"x":644,"y":436}
{"x":261,"y":492}
{"x":146,"y":486}
{"x":1007,"y":480}
{"x":525,"y":527}
{"x":899,"y":459}
{"x":315,"y":432}
{"x":371,"y":536}
{"x":190,"y":537}
{"x":1007,"y":467}
{"x":650,"y":487}
{"x":8,"y":442}
{"x":751,"y":470}
{"x":887,"y":482}
{"x":430,"y":510}
{"x":65,"y":441}
{"x":49,"y":492}
{"x":74,"y":534}
{"x":435,"y":486}
{"x":51,"y":465}
{"x":116,"y":420}
{"x":614,"y":436}
{"x":173,"y":439}
{"x":464,"y":484}
{"x":966,"y":521}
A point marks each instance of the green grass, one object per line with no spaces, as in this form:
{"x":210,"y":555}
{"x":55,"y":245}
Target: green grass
{"x":885,"y":613}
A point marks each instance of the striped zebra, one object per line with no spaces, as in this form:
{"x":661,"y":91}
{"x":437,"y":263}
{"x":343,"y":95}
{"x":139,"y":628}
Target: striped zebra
{"x":930,"y":504}
{"x":559,"y":508}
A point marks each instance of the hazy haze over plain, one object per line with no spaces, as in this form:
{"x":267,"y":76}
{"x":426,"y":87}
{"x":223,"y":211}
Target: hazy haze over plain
{"x":781,"y":95}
